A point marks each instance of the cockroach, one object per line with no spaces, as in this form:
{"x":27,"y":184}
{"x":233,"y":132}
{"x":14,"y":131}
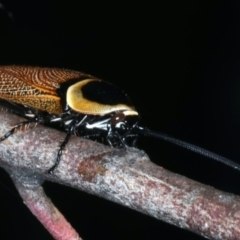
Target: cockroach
{"x":82,"y":104}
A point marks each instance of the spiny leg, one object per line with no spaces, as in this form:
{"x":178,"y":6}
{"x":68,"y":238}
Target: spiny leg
{"x":19,"y":126}
{"x":61,"y":148}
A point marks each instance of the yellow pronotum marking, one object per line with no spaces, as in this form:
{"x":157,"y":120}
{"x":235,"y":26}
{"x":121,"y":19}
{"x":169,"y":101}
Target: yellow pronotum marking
{"x":78,"y":103}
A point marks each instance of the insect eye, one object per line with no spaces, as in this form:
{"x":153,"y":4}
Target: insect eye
{"x":117,"y":118}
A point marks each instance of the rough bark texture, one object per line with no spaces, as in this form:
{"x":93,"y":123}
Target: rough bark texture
{"x":125,"y":176}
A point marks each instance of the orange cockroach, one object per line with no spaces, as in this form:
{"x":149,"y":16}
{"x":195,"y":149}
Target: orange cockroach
{"x":82,"y":104}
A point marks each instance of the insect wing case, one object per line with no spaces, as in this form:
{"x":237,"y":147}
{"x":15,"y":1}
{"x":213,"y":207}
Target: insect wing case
{"x":36,"y":88}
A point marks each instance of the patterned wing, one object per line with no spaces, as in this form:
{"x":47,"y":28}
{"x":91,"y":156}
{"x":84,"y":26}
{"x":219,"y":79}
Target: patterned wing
{"x":35,"y":87}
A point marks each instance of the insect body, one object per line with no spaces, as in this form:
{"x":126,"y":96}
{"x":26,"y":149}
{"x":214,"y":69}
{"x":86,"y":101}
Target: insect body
{"x":81,"y":103}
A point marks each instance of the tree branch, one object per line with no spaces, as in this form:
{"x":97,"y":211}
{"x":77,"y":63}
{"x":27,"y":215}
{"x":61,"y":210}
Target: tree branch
{"x":125,"y":176}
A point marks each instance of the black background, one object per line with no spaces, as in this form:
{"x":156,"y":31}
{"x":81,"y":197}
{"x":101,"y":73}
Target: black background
{"x":178,"y":60}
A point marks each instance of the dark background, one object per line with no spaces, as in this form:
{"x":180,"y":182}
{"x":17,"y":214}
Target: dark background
{"x":178,"y":60}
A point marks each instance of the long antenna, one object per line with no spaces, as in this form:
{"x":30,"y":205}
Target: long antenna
{"x":191,"y":147}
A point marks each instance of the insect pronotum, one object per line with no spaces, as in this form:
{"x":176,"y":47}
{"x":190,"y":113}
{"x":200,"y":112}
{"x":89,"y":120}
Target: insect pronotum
{"x":82,"y":104}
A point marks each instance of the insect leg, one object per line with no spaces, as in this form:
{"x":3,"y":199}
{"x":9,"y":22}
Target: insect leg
{"x":62,"y":146}
{"x":19,"y":126}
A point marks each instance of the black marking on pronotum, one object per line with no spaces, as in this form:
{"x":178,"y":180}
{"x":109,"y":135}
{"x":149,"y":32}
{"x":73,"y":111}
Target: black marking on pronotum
{"x":104,"y":93}
{"x":81,"y":104}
